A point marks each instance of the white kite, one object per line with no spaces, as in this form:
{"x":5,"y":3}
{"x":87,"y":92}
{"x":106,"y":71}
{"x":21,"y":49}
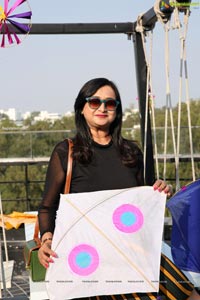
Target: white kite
{"x":107,"y":242}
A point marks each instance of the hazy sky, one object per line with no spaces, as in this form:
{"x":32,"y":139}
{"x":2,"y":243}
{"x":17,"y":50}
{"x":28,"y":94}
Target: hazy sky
{"x":46,"y":72}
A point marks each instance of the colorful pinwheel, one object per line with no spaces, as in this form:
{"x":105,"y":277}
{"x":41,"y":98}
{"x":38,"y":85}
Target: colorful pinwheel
{"x":15,"y":19}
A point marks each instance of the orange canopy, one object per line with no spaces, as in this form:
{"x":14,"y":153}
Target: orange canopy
{"x":15,"y":219}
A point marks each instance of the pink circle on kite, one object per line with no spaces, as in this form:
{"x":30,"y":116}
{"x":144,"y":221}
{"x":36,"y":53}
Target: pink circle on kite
{"x":128,"y":218}
{"x":83,"y":260}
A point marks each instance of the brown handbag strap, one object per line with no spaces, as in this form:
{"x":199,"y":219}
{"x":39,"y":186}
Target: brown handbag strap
{"x":66,"y":190}
{"x":69,"y":168}
{"x":36,"y":232}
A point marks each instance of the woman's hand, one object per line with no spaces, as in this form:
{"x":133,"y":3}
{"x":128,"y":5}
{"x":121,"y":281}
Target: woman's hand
{"x":162,"y":186}
{"x":45,"y":253}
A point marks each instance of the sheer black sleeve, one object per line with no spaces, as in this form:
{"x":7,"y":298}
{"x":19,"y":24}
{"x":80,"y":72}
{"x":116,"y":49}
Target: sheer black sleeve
{"x":140,"y":173}
{"x":54,"y":185}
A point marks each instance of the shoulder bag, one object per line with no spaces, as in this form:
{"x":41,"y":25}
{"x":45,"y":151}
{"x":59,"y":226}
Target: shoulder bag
{"x":37,"y":271}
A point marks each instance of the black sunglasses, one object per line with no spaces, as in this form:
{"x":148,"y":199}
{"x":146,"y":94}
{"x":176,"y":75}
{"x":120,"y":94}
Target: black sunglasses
{"x":95,"y":102}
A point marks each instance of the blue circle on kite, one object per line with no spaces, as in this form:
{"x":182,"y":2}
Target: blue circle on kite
{"x":128,"y":218}
{"x":83,"y":259}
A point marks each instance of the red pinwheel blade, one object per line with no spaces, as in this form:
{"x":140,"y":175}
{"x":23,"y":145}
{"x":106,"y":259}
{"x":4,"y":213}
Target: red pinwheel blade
{"x":16,"y":38}
{"x":18,"y":41}
{"x":5,"y":6}
{"x":10,"y":40}
{"x":15,"y":5}
{"x":8,"y":34}
{"x":3,"y":41}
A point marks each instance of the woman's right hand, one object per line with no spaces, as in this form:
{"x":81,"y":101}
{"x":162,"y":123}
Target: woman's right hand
{"x":45,"y":253}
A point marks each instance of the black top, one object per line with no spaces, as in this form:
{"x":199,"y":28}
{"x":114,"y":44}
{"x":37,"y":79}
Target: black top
{"x":105,"y":172}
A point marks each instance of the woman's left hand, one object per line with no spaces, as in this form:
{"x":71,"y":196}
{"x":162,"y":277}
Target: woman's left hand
{"x":162,"y":186}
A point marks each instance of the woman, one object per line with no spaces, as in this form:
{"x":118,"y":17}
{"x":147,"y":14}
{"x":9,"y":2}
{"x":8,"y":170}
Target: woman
{"x":99,"y":151}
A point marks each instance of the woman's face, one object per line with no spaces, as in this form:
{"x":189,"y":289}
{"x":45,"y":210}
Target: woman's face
{"x":101,"y":117}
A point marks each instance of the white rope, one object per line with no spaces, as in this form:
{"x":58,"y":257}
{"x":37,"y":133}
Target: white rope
{"x":139,"y":27}
{"x":179,"y":105}
{"x":186,"y":20}
{"x":168,"y":104}
{"x":176,"y":19}
{"x":166,"y":28}
{"x":159,"y":14}
{"x":165,"y":21}
{"x":177,"y":25}
{"x":146,"y":121}
{"x":152,"y":107}
{"x":176,"y":146}
{"x":183,"y":64}
{"x":146,"y":107}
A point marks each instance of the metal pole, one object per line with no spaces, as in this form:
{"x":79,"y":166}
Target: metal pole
{"x":79,"y":28}
{"x":141,"y":77}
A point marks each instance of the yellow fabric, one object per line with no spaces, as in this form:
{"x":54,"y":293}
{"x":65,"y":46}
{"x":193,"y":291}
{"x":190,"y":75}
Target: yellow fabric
{"x":15,"y":219}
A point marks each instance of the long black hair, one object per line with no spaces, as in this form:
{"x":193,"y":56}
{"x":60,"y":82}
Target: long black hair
{"x":82,"y":150}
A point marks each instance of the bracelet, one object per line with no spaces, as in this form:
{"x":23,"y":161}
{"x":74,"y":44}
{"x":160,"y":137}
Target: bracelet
{"x":47,"y":239}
